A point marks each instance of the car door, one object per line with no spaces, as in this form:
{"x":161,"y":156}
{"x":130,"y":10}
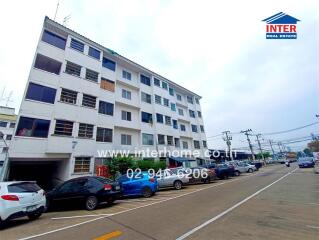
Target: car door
{"x":62,"y":195}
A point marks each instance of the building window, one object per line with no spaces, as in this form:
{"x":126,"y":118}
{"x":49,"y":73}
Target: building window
{"x":175,"y":125}
{"x":107,"y":85}
{"x":179,"y":97}
{"x":161,"y":139}
{"x":109,"y":64}
{"x":3,"y":124}
{"x":157,"y":82}
{"x":126,"y":94}
{"x":85,"y":130}
{"x":68,"y":96}
{"x":126,"y":139}
{"x":147,"y":139}
{"x":127,"y":75}
{"x":196,"y":144}
{"x":145,"y":80}
{"x":5,"y":149}
{"x":104,"y":134}
{"x":47,"y":64}
{"x":180,"y":112}
{"x":168,"y":120}
{"x":171,"y":91}
{"x":77,"y":45}
{"x":183,"y":127}
{"x":9,"y":137}
{"x":192,"y":113}
{"x":205,"y":144}
{"x":173,"y":107}
{"x":169,"y":140}
{"x":177,"y":142}
{"x":199,"y":113}
{"x":127,"y":116}
{"x":165,"y":85}
{"x":106,"y":108}
{"x":166,"y":102}
{"x":92,"y":75}
{"x":94,"y":53}
{"x":194,"y":128}
{"x":53,"y":39}
{"x":12,"y":125}
{"x":197,"y":100}
{"x":185,"y":145}
{"x":190,"y":100}
{"x":32,"y":127}
{"x":40,"y":93}
{"x":159,"y":118}
{"x":82,"y":164}
{"x":73,"y":69}
{"x":88,"y":101}
{"x":202,"y":128}
{"x":147,"y":117}
{"x":64,"y":128}
{"x":146,"y":97}
{"x":158,"y":99}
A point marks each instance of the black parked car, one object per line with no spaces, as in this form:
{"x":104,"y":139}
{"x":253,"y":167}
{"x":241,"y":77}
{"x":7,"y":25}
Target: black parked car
{"x":87,"y":191}
{"x":222,"y":170}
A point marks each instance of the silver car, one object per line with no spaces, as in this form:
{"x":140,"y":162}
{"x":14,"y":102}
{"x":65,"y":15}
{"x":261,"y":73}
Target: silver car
{"x":171,"y":178}
{"x":242,"y":167}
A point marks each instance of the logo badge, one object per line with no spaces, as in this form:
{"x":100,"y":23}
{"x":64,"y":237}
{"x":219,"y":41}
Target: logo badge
{"x":281,"y":26}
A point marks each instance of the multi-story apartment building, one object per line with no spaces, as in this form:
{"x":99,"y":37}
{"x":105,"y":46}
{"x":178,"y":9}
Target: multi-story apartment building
{"x":82,"y":97}
{"x":7,"y":125}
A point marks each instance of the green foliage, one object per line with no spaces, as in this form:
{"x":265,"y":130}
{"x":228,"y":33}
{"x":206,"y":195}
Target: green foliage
{"x":266,"y":155}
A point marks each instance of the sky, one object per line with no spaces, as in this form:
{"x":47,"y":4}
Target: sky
{"x":214,"y":48}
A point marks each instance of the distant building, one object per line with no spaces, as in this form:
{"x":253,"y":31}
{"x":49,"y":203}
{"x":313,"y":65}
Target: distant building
{"x":7,"y":124}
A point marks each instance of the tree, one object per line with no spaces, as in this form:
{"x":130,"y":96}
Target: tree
{"x":307,"y":152}
{"x":314,"y":146}
{"x":266,"y":155}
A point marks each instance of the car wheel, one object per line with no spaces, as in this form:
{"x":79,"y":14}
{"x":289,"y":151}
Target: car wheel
{"x":147,"y":192}
{"x":250,"y":170}
{"x":34,"y":216}
{"x":237,"y":173}
{"x":178,"y":185}
{"x":91,"y":203}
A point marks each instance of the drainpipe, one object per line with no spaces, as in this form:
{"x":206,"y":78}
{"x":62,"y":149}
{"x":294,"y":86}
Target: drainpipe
{"x":5,"y":167}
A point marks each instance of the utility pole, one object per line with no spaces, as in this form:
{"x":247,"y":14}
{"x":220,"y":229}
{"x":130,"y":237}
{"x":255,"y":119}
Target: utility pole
{"x":272,"y":149}
{"x":248,"y":133}
{"x":227,"y":138}
{"x":260,"y":149}
{"x":279,"y":148}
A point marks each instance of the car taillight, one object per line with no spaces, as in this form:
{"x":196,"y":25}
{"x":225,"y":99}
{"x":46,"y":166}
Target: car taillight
{"x":212,"y":171}
{"x":152,"y":179}
{"x":10,"y":197}
{"x":107,"y":187}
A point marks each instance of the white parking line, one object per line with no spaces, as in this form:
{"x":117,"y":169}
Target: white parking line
{"x":82,"y":216}
{"x":315,"y":227}
{"x":231,"y":208}
{"x":138,"y":207}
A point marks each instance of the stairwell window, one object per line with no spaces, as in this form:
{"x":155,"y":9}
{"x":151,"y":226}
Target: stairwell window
{"x":183,"y":127}
{"x":73,"y":69}
{"x":106,"y":108}
{"x":199,"y":113}
{"x":159,"y":118}
{"x":168,"y":120}
{"x":196,"y":144}
{"x":169,"y":140}
{"x":179,"y":97}
{"x":126,"y":139}
{"x":158,"y":99}
{"x":180,"y":112}
{"x":94,"y":53}
{"x":175,"y":125}
{"x":191,"y":113}
{"x":127,"y":116}
{"x":201,"y":128}
{"x":145,"y":80}
{"x":205,"y":144}
{"x":171,"y":91}
{"x":104,"y":135}
{"x":77,"y":45}
{"x":177,"y":142}
{"x":63,"y":127}
{"x":85,"y":130}
{"x":194,"y":128}
{"x":47,"y":64}
{"x":126,"y":94}
{"x":109,"y":64}
{"x":173,"y":107}
{"x":157,"y":82}
{"x":82,"y":164}
{"x":147,"y":117}
{"x":165,"y":85}
{"x":190,"y":100}
{"x":53,"y":39}
{"x":185,"y":145}
{"x":161,"y":139}
{"x":147,"y":139}
{"x":146,"y":97}
{"x":32,"y":127}
{"x":68,"y":96}
{"x":89,"y":101}
{"x":166,"y":102}
{"x":40,"y":93}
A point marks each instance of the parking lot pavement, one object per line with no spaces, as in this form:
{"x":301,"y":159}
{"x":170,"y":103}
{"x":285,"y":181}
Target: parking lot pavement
{"x":170,"y":213}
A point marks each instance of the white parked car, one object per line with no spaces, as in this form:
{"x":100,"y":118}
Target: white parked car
{"x":20,"y":199}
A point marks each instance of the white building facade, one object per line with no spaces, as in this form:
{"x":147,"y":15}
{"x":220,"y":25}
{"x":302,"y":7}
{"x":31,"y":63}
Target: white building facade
{"x":82,"y":98}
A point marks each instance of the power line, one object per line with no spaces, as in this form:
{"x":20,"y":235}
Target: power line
{"x":291,"y":130}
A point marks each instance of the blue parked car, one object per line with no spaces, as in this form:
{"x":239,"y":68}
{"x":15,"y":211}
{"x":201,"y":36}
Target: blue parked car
{"x":139,"y":185}
{"x":305,"y":162}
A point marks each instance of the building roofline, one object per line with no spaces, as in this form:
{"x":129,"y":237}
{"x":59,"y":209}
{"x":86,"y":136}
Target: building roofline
{"x":115,"y":54}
